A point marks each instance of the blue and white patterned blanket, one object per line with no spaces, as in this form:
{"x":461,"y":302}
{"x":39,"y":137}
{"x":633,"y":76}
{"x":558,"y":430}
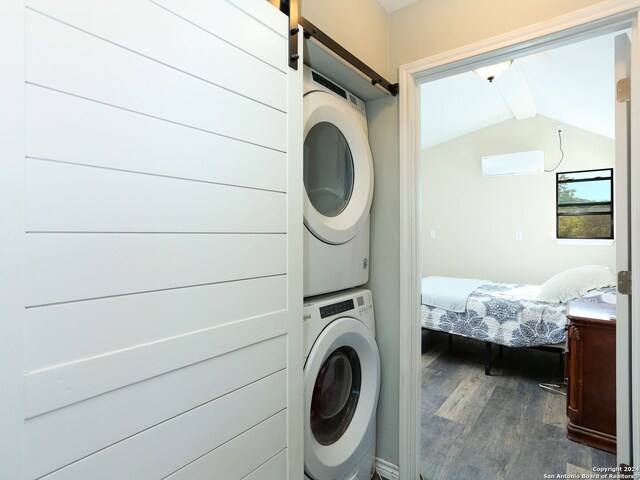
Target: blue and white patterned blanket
{"x":508,"y":314}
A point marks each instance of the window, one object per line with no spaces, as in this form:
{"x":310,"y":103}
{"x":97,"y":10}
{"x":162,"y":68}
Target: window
{"x":585,"y":204}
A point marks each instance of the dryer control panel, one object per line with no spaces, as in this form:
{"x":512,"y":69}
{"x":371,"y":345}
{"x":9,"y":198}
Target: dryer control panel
{"x":349,"y":97}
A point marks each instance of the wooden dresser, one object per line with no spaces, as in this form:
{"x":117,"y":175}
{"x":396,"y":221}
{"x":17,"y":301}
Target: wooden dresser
{"x":591,"y":371}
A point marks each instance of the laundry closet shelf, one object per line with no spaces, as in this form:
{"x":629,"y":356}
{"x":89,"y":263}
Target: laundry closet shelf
{"x":322,"y":59}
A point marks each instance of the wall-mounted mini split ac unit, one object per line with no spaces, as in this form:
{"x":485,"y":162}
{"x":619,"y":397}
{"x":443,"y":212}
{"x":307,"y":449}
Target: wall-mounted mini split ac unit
{"x":513,"y":163}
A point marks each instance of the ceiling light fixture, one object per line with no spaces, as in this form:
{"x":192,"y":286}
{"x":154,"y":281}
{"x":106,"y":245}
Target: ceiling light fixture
{"x":492,"y":71}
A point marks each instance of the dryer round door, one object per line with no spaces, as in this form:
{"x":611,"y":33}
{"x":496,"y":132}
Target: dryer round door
{"x":341,"y":386}
{"x":338,"y":169}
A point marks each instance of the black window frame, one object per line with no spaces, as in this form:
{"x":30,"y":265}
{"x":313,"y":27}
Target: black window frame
{"x":584,"y":204}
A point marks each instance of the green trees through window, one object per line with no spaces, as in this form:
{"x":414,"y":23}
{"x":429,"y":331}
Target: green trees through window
{"x":585,"y":204}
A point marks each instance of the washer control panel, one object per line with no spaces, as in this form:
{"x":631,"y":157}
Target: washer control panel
{"x":336,"y":308}
{"x":320,"y":311}
{"x":355,"y":303}
{"x":364,"y":308}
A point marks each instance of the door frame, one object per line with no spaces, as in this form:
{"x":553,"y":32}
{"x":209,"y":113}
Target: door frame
{"x":603,"y":17}
{"x":12,"y":253}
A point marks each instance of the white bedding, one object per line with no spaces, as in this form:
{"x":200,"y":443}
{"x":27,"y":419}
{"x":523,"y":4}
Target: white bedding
{"x":448,"y":293}
{"x":509,"y":314}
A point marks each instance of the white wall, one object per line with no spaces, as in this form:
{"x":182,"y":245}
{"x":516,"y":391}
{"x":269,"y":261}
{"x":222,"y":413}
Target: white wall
{"x":162,"y":289}
{"x":362,"y":27}
{"x":475,"y":217}
{"x":426,"y":28}
{"x":384,"y":279}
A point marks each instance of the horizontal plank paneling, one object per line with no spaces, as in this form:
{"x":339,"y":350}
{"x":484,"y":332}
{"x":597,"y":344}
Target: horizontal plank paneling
{"x":270,"y":17}
{"x":95,"y":134}
{"x":156,"y":265}
{"x":68,"y":332}
{"x":67,"y":267}
{"x":69,"y":198}
{"x":220,"y":17}
{"x":65,"y":59}
{"x":242,"y":455}
{"x":59,"y":438}
{"x":163,"y":449}
{"x":49,"y":389}
{"x":150,"y":30}
{"x":274,"y":469}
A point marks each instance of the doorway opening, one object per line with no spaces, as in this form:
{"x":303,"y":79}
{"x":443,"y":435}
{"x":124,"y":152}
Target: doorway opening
{"x":432,"y":70}
{"x":491,"y":213}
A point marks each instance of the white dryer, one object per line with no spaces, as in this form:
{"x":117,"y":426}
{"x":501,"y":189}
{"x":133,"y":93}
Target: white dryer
{"x":341,"y":386}
{"x":338,"y":181}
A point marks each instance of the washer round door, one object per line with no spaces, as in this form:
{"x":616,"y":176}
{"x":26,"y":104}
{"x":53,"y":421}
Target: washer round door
{"x":341,"y":386}
{"x":338,"y":169}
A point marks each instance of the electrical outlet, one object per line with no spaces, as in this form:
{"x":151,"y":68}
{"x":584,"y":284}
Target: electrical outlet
{"x":519,"y":235}
{"x":560,"y":129}
{"x":432,"y":233}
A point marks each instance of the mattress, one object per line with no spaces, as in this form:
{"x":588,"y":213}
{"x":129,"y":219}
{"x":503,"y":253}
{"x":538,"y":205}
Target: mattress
{"x":508,"y":314}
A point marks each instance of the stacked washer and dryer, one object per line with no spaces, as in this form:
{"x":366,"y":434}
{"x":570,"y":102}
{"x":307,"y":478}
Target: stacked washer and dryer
{"x":342,"y":363}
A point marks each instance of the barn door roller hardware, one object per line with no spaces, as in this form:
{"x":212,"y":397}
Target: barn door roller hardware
{"x":292,"y":9}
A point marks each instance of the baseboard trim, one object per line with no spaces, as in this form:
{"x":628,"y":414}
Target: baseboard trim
{"x":387,"y":469}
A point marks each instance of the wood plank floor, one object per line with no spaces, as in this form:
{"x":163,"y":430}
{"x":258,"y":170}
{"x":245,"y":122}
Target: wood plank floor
{"x":499,"y":427}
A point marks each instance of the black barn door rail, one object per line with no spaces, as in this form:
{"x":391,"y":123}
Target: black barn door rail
{"x":291,"y":8}
{"x":310,"y":30}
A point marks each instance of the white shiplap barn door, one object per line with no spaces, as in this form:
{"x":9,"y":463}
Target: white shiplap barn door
{"x":151,"y":300}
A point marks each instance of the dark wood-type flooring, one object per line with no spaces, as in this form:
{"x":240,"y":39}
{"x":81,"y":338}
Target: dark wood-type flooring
{"x":499,"y":427}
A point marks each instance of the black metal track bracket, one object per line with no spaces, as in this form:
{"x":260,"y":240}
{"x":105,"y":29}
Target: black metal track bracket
{"x":291,"y":8}
{"x":310,"y":30}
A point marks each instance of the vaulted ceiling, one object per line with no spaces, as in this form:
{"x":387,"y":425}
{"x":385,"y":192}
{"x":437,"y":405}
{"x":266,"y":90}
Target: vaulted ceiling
{"x":573,"y":84}
{"x":393,"y":5}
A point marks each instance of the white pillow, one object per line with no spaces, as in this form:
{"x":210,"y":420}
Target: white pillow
{"x":575,"y":282}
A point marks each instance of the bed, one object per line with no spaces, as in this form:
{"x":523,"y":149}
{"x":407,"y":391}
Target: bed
{"x":513,"y":315}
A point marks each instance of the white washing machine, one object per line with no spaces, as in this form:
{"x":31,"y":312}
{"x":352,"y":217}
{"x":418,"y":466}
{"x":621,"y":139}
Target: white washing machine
{"x":338,"y":181}
{"x":341,"y":386}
